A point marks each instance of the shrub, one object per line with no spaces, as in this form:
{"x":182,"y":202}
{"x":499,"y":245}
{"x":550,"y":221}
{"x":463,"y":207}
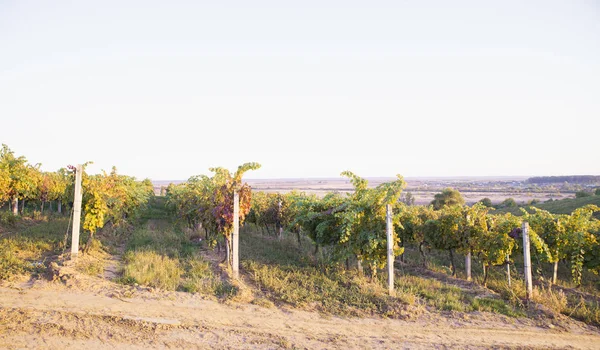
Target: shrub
{"x":448,"y":197}
{"x":8,"y":219}
{"x":508,"y":203}
{"x":487,"y":202}
{"x":582,"y":194}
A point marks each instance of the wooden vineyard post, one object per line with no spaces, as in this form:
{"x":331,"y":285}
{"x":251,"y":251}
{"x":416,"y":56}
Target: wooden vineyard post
{"x":15,"y":206}
{"x":468,"y":265}
{"x":468,"y":258}
{"x":390,"y":248}
{"x":236,"y":236}
{"x":527,"y":260}
{"x":280,"y":228}
{"x":76,"y":212}
{"x":508,"y":270}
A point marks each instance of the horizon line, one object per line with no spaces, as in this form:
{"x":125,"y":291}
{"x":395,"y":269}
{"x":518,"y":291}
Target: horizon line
{"x":392,"y":177}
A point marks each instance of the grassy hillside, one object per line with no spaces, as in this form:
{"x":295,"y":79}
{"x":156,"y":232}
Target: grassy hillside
{"x":563,"y":206}
{"x":158,"y":252}
{"x":567,"y":205}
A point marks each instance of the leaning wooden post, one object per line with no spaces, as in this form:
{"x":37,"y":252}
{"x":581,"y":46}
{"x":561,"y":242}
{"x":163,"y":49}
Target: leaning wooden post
{"x":527,"y":259}
{"x":390,"y":248}
{"x":236,"y":235}
{"x":76,"y":211}
{"x":468,"y":265}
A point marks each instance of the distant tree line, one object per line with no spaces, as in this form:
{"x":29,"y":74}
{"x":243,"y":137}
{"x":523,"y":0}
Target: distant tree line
{"x":578,"y":179}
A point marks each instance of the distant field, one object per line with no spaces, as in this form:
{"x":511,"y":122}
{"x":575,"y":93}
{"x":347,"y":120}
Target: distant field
{"x":495,"y":197}
{"x":423,"y":189}
{"x":565,"y":206}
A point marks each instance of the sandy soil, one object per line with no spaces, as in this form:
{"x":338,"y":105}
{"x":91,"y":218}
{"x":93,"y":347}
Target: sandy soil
{"x":84,"y":312}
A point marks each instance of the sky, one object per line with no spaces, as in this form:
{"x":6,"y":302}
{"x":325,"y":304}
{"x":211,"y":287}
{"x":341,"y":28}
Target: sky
{"x":167,"y":89}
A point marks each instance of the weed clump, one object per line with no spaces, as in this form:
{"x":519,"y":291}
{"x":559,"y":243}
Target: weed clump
{"x":199,"y":278}
{"x":152,"y":269}
{"x":8,"y":219}
{"x":24,"y":252}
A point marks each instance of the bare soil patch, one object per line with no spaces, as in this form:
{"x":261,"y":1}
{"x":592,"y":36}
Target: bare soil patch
{"x":79,"y":311}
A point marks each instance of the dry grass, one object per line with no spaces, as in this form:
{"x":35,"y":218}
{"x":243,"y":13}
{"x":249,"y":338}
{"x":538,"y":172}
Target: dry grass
{"x":152,"y":269}
{"x":200,"y":278}
{"x":25,"y":250}
{"x":287,"y":273}
{"x":93,"y":262}
{"x":162,"y":256}
{"x":570,"y":302}
{"x":331,"y":292}
{"x":90,"y":266}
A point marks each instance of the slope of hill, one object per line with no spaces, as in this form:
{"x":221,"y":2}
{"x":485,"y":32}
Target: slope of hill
{"x":563,"y":206}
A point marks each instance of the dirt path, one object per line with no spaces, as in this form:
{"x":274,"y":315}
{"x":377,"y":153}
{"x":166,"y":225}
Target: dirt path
{"x":51,"y":315}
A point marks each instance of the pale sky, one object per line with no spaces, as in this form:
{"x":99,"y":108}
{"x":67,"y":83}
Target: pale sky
{"x":167,"y":89}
